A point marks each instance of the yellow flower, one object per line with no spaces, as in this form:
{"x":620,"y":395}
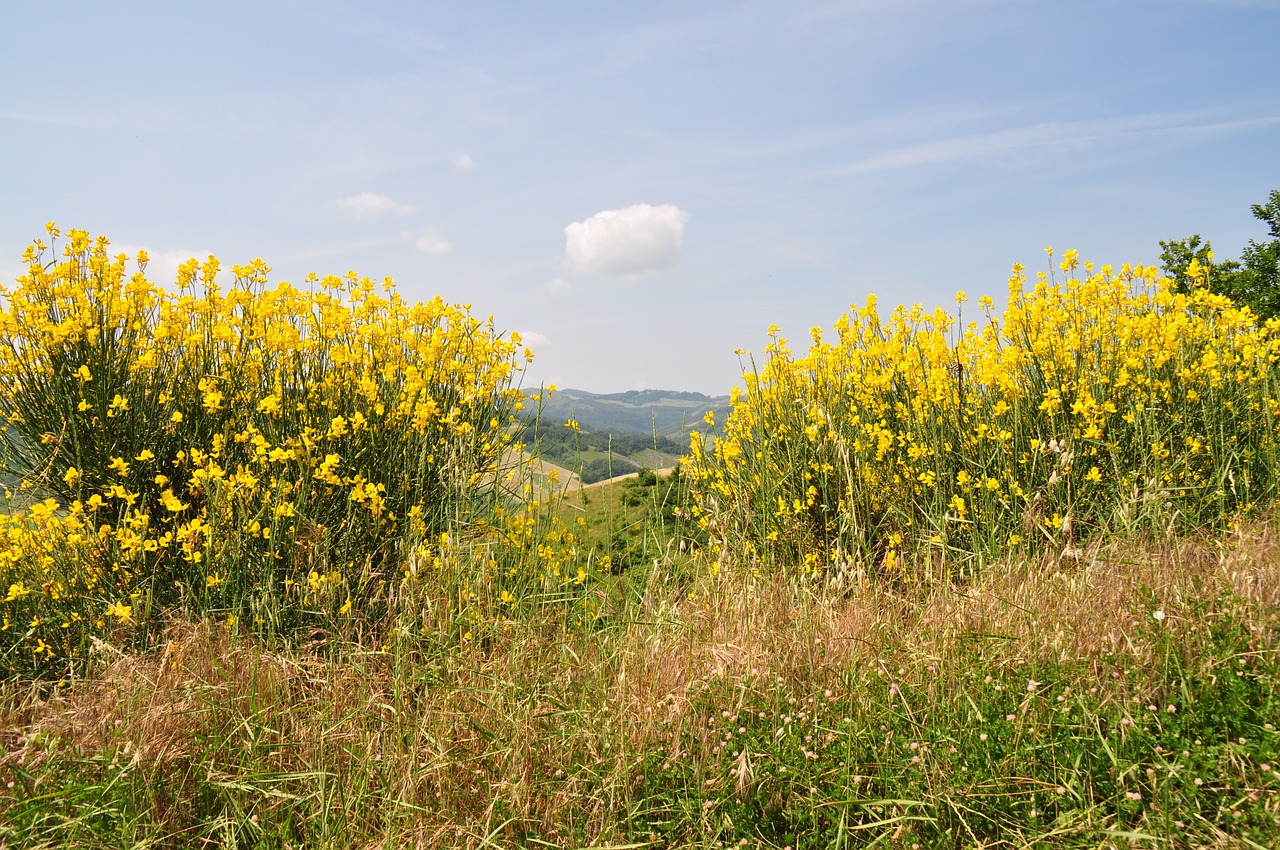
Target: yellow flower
{"x":171,"y":502}
{"x":72,"y":476}
{"x":122,"y":612}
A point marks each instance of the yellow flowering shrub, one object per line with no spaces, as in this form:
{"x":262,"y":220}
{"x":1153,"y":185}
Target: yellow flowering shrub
{"x":920,"y":444}
{"x":255,"y":448}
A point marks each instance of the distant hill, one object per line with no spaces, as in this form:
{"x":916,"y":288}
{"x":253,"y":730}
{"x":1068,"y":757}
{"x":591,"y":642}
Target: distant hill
{"x":668,"y":413}
{"x":618,"y":433}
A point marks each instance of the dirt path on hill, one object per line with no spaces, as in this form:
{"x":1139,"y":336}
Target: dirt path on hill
{"x":663,"y":473}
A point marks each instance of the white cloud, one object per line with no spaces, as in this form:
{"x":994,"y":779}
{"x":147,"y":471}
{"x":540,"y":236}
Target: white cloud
{"x":462,"y":161}
{"x":533,"y":339}
{"x":162,"y":266}
{"x":366,"y":204}
{"x":429,"y":243}
{"x":626,"y":242}
{"x":557,"y":287}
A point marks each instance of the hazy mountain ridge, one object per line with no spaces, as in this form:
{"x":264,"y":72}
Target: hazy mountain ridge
{"x":668,"y":413}
{"x":642,"y":397}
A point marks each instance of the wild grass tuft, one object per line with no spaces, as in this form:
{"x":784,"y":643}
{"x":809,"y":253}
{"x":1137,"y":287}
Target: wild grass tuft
{"x":1129,"y":693}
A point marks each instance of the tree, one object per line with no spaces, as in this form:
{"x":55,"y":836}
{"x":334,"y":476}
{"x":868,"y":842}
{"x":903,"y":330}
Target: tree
{"x":1260,"y":277}
{"x":1177,"y":255}
{"x":1253,"y":281}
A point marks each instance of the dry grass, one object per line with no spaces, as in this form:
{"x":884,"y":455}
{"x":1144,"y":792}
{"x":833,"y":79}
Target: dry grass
{"x":547,"y":733}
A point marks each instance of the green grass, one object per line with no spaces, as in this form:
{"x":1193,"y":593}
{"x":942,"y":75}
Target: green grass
{"x":635,"y":521}
{"x":1030,"y":708}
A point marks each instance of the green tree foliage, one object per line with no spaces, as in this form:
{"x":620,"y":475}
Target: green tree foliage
{"x":1253,"y":280}
{"x":601,"y":469}
{"x":1261,"y":260}
{"x":1177,"y":256}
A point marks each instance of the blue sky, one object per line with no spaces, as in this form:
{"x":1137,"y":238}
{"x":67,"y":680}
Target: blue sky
{"x":642,"y":188}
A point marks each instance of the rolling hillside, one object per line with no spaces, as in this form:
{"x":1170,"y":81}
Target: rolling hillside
{"x":667,"y":413}
{"x":618,"y":433}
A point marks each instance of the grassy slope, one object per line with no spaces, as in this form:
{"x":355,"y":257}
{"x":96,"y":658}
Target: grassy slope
{"x":1129,"y":696}
{"x":649,"y":458}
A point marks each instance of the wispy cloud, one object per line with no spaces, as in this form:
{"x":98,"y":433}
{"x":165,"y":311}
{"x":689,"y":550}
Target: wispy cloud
{"x":825,"y":13}
{"x":1049,"y":138}
{"x":99,"y":116}
{"x":432,"y":244}
{"x":557,"y":287}
{"x":462,"y":161}
{"x":389,"y":32}
{"x":1266,"y":5}
{"x":74,"y":121}
{"x":368,"y":204}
